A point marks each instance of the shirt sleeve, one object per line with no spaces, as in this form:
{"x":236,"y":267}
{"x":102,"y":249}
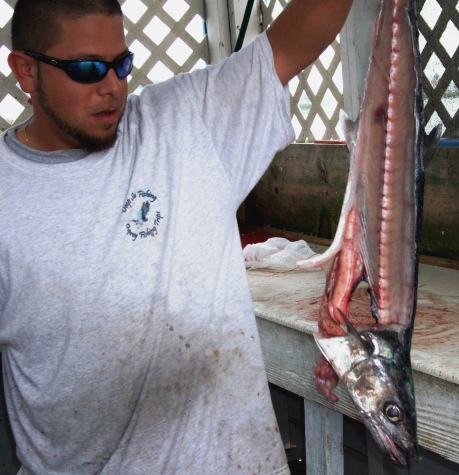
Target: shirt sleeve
{"x":246,"y":111}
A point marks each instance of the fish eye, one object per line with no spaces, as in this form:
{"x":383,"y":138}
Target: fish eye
{"x":393,"y":412}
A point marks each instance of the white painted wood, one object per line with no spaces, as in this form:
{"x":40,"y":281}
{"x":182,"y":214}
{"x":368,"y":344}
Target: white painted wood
{"x":324,"y":440}
{"x":236,"y":9}
{"x":356,"y":45}
{"x":287,"y":305}
{"x":218,"y":30}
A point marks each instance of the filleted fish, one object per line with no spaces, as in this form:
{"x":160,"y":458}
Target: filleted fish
{"x":378,"y":239}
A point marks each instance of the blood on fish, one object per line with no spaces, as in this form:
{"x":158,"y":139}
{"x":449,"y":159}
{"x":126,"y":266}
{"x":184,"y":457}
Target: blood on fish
{"x":380,"y":113}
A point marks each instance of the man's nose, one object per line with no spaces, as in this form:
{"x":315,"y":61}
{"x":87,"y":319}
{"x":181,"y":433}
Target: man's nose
{"x":111,"y":84}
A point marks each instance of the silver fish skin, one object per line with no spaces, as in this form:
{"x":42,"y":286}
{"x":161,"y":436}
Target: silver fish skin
{"x":378,"y":239}
{"x":376,"y":370}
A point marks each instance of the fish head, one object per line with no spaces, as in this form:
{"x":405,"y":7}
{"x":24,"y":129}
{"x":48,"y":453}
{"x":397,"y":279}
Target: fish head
{"x":375,"y":367}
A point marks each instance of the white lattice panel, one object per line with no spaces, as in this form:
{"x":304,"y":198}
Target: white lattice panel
{"x":13,"y":102}
{"x":317,"y":92}
{"x":439,"y":41}
{"x":167,"y":37}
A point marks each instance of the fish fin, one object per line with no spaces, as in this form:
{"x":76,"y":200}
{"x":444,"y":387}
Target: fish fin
{"x":369,"y":253}
{"x":350,"y":328}
{"x":353,"y":331}
{"x":430,"y":142}
{"x":373,"y":304}
{"x":349,"y":129}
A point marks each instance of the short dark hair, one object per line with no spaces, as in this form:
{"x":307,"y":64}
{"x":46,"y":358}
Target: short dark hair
{"x":35,"y":23}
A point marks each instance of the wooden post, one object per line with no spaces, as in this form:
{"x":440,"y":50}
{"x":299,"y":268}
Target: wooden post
{"x":324,"y":440}
{"x":218,"y":29}
{"x":223,"y":19}
{"x":236,"y":10}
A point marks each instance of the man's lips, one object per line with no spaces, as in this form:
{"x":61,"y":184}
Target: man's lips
{"x":106,"y":115}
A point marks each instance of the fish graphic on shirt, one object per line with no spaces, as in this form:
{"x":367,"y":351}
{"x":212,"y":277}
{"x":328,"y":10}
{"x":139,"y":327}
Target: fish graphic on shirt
{"x":142,"y":214}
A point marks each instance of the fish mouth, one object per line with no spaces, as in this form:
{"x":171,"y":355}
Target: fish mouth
{"x":398,"y":453}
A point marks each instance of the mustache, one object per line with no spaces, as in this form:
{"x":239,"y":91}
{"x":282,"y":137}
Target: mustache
{"x":108,"y":107}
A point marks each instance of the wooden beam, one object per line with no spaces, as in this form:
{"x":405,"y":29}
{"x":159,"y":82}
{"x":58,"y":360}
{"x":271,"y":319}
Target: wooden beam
{"x":218,"y":31}
{"x":236,"y":9}
{"x":324,"y":439}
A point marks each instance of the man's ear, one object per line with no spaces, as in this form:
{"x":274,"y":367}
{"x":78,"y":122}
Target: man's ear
{"x":25,"y":70}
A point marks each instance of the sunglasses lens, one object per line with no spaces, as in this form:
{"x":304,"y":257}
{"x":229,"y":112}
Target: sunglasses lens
{"x":87,"y":71}
{"x":94,"y":71}
{"x":124,"y":66}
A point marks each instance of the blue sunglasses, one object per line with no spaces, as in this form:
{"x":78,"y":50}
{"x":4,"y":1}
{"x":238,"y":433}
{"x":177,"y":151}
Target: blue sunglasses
{"x":87,"y":70}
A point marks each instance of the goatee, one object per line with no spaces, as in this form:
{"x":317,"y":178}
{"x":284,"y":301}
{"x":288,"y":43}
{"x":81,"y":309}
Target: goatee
{"x":85,"y":140}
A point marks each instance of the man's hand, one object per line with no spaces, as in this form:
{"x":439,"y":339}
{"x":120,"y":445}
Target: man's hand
{"x":303,"y":31}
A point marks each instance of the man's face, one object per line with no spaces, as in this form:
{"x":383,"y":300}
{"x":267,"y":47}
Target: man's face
{"x":76,"y":115}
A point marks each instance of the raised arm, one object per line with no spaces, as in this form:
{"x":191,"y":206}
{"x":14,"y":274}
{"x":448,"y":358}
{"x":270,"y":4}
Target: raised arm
{"x":302,"y":31}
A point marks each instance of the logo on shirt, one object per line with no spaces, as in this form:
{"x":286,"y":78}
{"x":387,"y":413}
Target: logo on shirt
{"x":143,"y":220}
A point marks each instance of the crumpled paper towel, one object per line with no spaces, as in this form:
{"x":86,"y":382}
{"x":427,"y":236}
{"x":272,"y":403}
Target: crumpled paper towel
{"x":276,"y":254}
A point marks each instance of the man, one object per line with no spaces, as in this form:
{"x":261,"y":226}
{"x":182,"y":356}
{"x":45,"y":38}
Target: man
{"x":127,"y":333}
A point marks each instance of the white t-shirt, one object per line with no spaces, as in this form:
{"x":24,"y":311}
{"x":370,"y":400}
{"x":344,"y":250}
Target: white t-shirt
{"x":127,"y":331}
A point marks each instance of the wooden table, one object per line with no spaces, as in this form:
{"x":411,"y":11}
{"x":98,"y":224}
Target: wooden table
{"x":286,"y":306}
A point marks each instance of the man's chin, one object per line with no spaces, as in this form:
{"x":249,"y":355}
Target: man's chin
{"x":97,"y":144}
